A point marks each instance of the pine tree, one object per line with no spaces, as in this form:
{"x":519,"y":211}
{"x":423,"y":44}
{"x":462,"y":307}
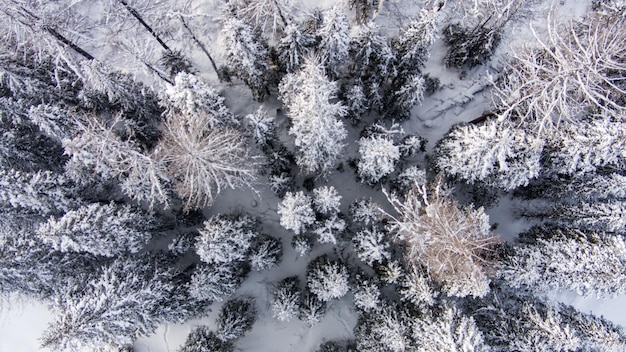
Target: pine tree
{"x":214,"y":282}
{"x":201,"y":339}
{"x":236,"y":318}
{"x":286,"y":301}
{"x":226,"y":239}
{"x":334,"y":45}
{"x":262,"y":126}
{"x":271,"y":17}
{"x":367,"y":296}
{"x":326,"y":200}
{"x":302,"y":244}
{"x":246,"y":55}
{"x":328,"y":230}
{"x":327,"y":278}
{"x":312,"y":309}
{"x":100,"y":229}
{"x":296,"y":212}
{"x":316,"y":127}
{"x":365,"y":212}
{"x":371,"y":246}
{"x":492,"y":153}
{"x":417,"y":289}
{"x":265,"y":253}
{"x":379,"y":156}
{"x":294,"y":46}
{"x":129,"y":299}
{"x":562,"y":258}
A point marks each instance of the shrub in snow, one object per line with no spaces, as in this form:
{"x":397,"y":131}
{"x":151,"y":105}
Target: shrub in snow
{"x":562,"y":258}
{"x":201,"y":339}
{"x":226,"y":239}
{"x":326,"y":200}
{"x":296,"y":212}
{"x":312,"y":309}
{"x":371,"y":246}
{"x":453,"y":243}
{"x":327,"y":278}
{"x":316,"y":127}
{"x":328,"y":230}
{"x":378,"y":158}
{"x":286,"y":301}
{"x":302,"y":244}
{"x":265,"y":253}
{"x":367,"y":296}
{"x":236,"y":318}
{"x":101,"y":229}
{"x":364,"y":211}
{"x":493,"y":153}
{"x":214,"y":282}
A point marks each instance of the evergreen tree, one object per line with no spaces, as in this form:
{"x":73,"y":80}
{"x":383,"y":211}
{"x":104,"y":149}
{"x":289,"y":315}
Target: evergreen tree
{"x":371,"y":246}
{"x":491,"y":153}
{"x":246,"y":55}
{"x":235,"y":319}
{"x":379,"y":156}
{"x":286,"y":301}
{"x":265,"y":253}
{"x":367,"y":296}
{"x":201,"y":339}
{"x":226,"y":239}
{"x":296,"y":212}
{"x":327,"y":278}
{"x":129,"y":299}
{"x":560,"y":258}
{"x":328,"y":230}
{"x":312,"y":309}
{"x":326,"y":200}
{"x":294,"y":47}
{"x":214,"y":282}
{"x":334,"y":34}
{"x":318,"y":133}
{"x":100,"y":229}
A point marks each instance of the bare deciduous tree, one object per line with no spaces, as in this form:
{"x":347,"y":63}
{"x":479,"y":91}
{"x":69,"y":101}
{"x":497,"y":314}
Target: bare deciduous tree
{"x":452,"y":242}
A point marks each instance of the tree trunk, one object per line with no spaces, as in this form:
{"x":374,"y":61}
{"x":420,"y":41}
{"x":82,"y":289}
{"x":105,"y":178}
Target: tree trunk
{"x":204,"y":49}
{"x":143,"y":23}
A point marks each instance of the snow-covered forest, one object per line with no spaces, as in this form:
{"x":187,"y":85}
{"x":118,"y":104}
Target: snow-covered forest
{"x":332,"y":176}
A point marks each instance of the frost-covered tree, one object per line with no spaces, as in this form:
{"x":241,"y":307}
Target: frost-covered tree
{"x":312,"y":309}
{"x":246,"y":55}
{"x":128,"y":300}
{"x":383,"y":329}
{"x":513,"y":322}
{"x":42,"y":193}
{"x":379,"y":156}
{"x":302,"y":244}
{"x":564,"y":87}
{"x":97,"y":149}
{"x":189,"y":96}
{"x":327,"y":278}
{"x":296,"y":212}
{"x":373,"y":59}
{"x":214,"y":282}
{"x":100,"y":229}
{"x":453,"y":243}
{"x":413,"y":43}
{"x":202,"y":160}
{"x":334,"y":34}
{"x":236,"y":318}
{"x":367,"y":296}
{"x":326,"y":200}
{"x":592,"y":187}
{"x":226,"y":239}
{"x":286,"y":300}
{"x":265,"y":253}
{"x":328,"y":230}
{"x":417,"y":289}
{"x":262,"y":126}
{"x":586,"y":146}
{"x":294,"y":46}
{"x":492,"y":153}
{"x":562,"y":258}
{"x":390,"y":271}
{"x":271,"y":17}
{"x":308,"y":96}
{"x":365,"y":211}
{"x":449,"y":330}
{"x":371,"y":246}
{"x":201,"y":339}
{"x":406,"y":178}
